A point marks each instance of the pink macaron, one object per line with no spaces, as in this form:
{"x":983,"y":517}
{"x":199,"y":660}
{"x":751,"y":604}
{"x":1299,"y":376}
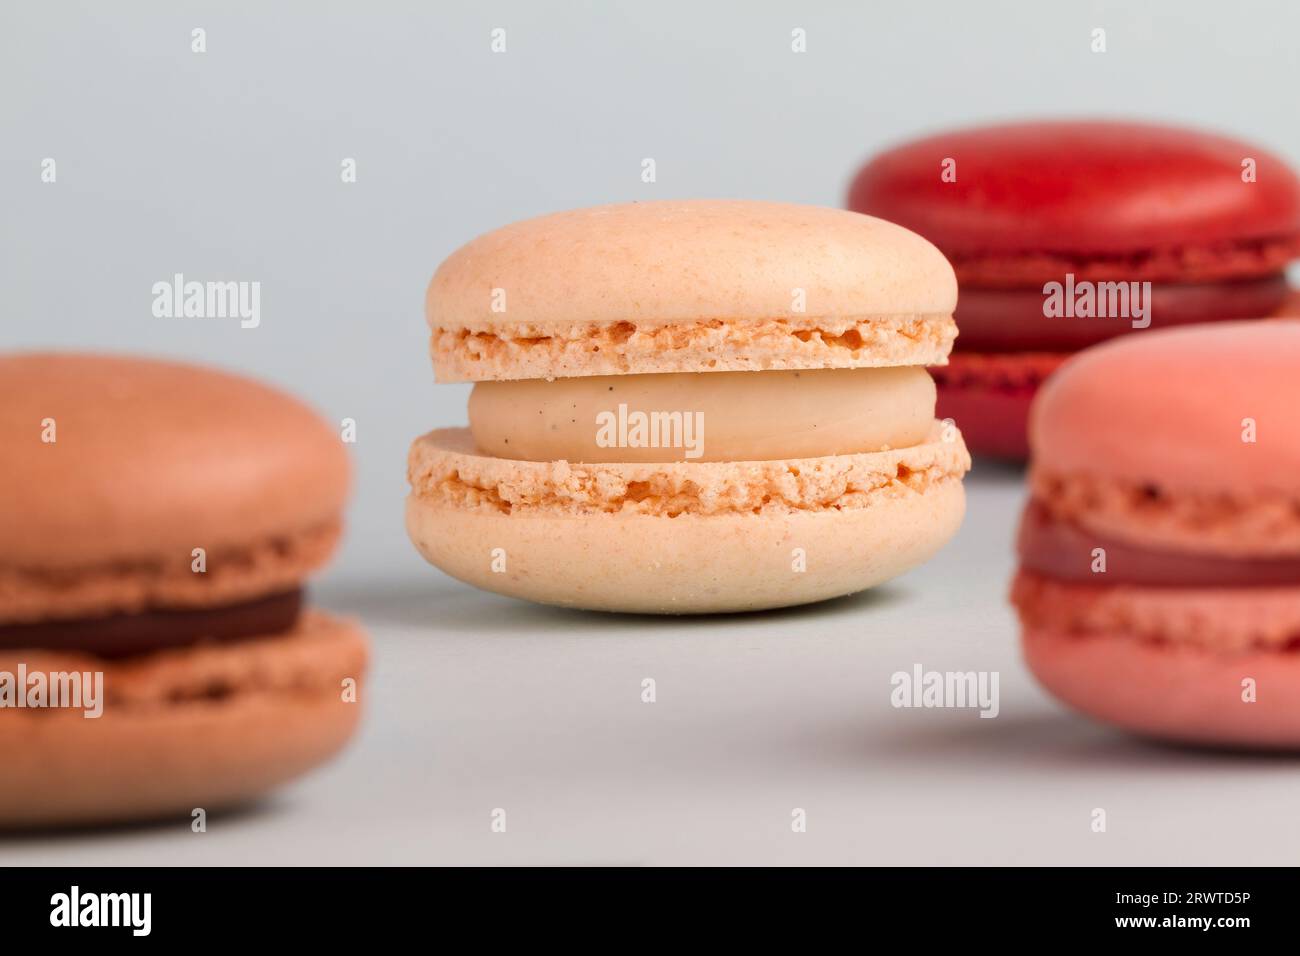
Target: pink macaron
{"x":1159,"y":581}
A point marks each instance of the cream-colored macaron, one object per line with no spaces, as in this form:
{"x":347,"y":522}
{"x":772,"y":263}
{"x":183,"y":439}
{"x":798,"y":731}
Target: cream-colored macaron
{"x":689,"y":407}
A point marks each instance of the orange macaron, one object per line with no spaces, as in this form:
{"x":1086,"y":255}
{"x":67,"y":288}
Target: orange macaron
{"x":1159,"y":581}
{"x":159,"y":521}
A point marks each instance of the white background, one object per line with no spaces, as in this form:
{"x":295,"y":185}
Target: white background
{"x":225,"y":165}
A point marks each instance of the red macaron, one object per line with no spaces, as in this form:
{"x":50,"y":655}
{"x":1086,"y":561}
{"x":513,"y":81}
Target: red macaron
{"x":1159,"y":580}
{"x":1054,"y":230}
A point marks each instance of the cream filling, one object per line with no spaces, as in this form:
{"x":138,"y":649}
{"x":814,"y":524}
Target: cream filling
{"x":713,"y":416}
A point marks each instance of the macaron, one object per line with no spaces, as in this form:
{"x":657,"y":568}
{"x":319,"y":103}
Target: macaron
{"x":1159,"y":579}
{"x":1053,"y":229}
{"x":159,"y":521}
{"x":689,"y":407}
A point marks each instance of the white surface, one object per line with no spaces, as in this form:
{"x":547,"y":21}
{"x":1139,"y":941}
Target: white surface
{"x":479,"y":702}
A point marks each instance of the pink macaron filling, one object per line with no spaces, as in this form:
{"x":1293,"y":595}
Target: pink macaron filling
{"x":1062,"y":550}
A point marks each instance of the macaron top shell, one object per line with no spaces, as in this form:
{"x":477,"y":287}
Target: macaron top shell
{"x":638,"y":267}
{"x":152,"y":458}
{"x":1081,"y":188}
{"x":1207,"y":409}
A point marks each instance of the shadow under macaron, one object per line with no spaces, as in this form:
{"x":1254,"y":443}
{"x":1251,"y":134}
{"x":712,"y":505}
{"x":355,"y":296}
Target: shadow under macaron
{"x":257,"y":809}
{"x":457,"y":608}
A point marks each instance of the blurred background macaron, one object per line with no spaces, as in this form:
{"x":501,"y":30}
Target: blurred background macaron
{"x":689,"y":407}
{"x":159,"y":521}
{"x":1159,"y":581}
{"x":1054,"y":227}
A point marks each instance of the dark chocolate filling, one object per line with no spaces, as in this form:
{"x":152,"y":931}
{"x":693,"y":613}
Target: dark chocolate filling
{"x":1061,"y":550}
{"x":125,"y":635}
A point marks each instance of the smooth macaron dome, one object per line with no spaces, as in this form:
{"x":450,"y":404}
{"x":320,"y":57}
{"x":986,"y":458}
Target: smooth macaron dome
{"x":689,"y":286}
{"x":1159,"y":582}
{"x":160,"y":520}
{"x":780,"y":347}
{"x":1210,"y":221}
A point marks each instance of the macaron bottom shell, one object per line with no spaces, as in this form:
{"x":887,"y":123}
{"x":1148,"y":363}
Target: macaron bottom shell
{"x":1170,"y":692}
{"x":682,"y":537}
{"x":689,"y":564}
{"x":206,"y":727}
